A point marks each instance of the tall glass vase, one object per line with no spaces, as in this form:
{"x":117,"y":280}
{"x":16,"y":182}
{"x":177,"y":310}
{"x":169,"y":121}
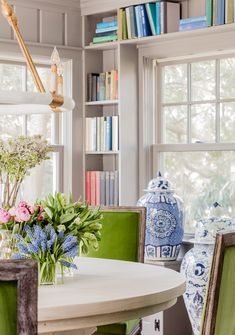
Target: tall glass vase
{"x":47,"y":273}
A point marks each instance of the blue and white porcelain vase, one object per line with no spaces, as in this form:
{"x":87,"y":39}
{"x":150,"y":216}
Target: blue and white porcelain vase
{"x":197,"y":262}
{"x":165,"y":219}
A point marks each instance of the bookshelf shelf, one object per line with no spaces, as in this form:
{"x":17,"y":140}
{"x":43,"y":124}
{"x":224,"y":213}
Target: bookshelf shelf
{"x":102,"y":152}
{"x":102,"y":103}
{"x":214,"y":33}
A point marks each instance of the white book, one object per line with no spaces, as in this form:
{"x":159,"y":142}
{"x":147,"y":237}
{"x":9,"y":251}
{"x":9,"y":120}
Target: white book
{"x":105,"y":133}
{"x":102,"y":131}
{"x":115,"y":133}
{"x":98,"y":142}
{"x":93,"y":134}
{"x":89,"y":134}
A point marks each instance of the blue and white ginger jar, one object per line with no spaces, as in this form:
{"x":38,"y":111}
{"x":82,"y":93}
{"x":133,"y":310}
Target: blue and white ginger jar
{"x":165,"y":220}
{"x":197,"y":262}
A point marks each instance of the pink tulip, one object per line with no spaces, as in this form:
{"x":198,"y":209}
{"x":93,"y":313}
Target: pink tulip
{"x":4,"y":216}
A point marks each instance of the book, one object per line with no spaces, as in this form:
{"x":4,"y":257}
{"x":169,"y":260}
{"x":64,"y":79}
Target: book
{"x":107,"y":30}
{"x":229,"y":11}
{"x":115,"y":136}
{"x":193,"y":25}
{"x":170,"y":16}
{"x":115,"y":84}
{"x":145,"y":21}
{"x":158,"y":17}
{"x":108,"y":79}
{"x":108,"y":38}
{"x":88,"y":186}
{"x":116,"y":188}
{"x":89,"y":87}
{"x":93,"y":134}
{"x":152,"y":15}
{"x":108,"y":146}
{"x":220,"y":12}
{"x":102,"y":130}
{"x":138,"y":21}
{"x":134,"y":32}
{"x":102,"y":188}
{"x":193,"y":19}
{"x":107,"y":24}
{"x":102,"y":95}
{"x":97,"y":188}
{"x":124,"y":26}
{"x":120,"y":23}
{"x":215,"y":8}
{"x":94,"y":86}
{"x":93,"y":191}
{"x":111,"y":188}
{"x":105,"y":133}
{"x":106,"y":188}
{"x":98,"y":131}
{"x":209,"y":12}
{"x":128,"y":22}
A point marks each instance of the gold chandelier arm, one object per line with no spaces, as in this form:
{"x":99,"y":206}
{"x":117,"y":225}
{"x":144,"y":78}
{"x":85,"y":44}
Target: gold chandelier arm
{"x":10,"y":15}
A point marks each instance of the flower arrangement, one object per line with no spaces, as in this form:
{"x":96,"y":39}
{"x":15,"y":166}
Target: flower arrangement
{"x":17,"y":157}
{"x":52,"y":231}
{"x":48,"y":248}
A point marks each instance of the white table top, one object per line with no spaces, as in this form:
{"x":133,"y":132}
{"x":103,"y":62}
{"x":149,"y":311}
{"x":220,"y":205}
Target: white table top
{"x":107,"y":291}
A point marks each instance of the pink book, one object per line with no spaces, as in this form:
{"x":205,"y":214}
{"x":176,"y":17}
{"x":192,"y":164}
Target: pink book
{"x":93,"y":192}
{"x":97,"y":188}
{"x":88,"y":187}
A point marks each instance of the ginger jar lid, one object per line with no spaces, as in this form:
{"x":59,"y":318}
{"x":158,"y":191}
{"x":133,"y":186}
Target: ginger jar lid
{"x":207,"y":228}
{"x":159,"y":184}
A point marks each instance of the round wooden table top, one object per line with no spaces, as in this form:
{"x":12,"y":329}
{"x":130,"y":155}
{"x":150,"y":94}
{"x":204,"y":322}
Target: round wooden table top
{"x":106,"y":291}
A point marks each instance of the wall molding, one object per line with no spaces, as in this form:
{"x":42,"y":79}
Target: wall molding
{"x":55,"y":5}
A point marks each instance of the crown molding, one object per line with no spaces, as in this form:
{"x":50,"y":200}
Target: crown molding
{"x":61,"y":5}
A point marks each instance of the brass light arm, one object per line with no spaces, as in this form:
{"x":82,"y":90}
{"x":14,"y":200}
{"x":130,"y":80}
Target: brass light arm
{"x":11,"y":17}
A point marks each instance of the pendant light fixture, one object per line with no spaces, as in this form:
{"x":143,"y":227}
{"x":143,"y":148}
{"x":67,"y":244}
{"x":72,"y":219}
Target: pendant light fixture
{"x":33,"y":103}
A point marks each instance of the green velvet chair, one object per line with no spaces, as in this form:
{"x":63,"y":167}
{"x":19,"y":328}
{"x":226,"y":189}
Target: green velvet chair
{"x":18,"y":297}
{"x":123,"y":234}
{"x":219,"y":310}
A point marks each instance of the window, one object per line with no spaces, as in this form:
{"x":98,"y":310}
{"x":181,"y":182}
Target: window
{"x":47,"y":177}
{"x":195,"y":144}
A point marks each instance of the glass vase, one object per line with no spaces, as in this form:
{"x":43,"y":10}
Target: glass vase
{"x":6,"y":244}
{"x":47,"y":273}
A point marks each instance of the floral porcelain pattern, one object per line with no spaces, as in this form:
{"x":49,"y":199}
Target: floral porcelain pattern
{"x":164,"y":226}
{"x":196,"y":266}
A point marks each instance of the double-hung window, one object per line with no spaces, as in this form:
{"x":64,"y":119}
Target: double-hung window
{"x":195,"y":132}
{"x":47,"y":177}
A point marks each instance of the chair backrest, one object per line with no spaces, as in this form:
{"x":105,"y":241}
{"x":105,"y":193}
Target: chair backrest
{"x":122,"y":234}
{"x":18,"y":297}
{"x":219,"y":313}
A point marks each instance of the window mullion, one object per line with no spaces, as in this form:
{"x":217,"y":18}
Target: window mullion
{"x":217,"y":138}
{"x":189,"y":99}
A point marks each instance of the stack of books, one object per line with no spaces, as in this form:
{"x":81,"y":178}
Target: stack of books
{"x":220,"y":12}
{"x":192,"y":23}
{"x":102,"y":188}
{"x":102,"y":133}
{"x":102,"y":86}
{"x":106,"y":31}
{"x":148,"y":19}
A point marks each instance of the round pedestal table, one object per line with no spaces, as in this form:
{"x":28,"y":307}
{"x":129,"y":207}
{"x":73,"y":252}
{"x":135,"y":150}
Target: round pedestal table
{"x":103,"y":292}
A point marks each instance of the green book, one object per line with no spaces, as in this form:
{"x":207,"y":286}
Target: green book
{"x":209,"y":12}
{"x":152,"y":16}
{"x":124,"y":26}
{"x":108,"y":38}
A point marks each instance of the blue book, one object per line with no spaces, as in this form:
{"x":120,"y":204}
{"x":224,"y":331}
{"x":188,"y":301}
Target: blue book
{"x":151,"y":12}
{"x":158,"y":18}
{"x":108,"y":145}
{"x":192,"y":26}
{"x":193,"y":19}
{"x":220,"y":12}
{"x":105,"y":30}
{"x":139,"y":21}
{"x":102,"y":25}
{"x":145,"y":21}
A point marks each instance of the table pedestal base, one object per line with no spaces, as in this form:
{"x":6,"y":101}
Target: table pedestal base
{"x":87,"y":331}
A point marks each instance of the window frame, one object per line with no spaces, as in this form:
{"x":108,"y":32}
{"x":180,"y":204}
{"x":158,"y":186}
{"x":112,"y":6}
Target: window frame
{"x":160,"y":147}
